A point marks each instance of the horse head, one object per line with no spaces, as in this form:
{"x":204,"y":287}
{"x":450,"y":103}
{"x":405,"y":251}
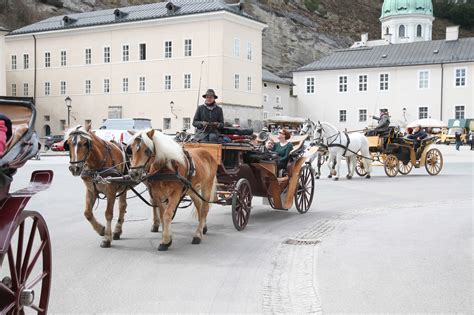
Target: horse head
{"x":142,"y":151}
{"x":79,"y":144}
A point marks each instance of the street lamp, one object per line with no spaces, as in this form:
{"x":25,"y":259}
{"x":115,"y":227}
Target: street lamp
{"x":404,"y":110}
{"x":68,"y":102}
{"x":172,"y":110}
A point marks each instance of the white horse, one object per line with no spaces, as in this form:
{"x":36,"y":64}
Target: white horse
{"x":309,"y":128}
{"x":343,"y":144}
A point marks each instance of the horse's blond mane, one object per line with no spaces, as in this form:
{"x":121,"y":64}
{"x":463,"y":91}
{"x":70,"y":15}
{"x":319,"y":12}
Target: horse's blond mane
{"x":165,"y":148}
{"x":78,"y":130}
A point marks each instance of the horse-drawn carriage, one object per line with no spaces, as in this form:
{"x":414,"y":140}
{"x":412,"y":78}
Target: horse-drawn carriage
{"x":397,"y":154}
{"x":25,"y":248}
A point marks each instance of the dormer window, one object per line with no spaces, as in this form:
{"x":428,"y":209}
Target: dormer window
{"x":68,"y":20}
{"x":119,"y":14}
{"x":171,"y":7}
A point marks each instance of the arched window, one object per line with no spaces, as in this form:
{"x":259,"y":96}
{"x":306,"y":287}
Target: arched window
{"x":401,"y":31}
{"x":387,"y":30}
{"x":419,"y":30}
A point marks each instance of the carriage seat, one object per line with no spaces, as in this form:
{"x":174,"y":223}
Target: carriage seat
{"x":237,"y":131}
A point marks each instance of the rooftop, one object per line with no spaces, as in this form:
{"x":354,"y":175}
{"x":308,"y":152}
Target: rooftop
{"x":268,"y":76}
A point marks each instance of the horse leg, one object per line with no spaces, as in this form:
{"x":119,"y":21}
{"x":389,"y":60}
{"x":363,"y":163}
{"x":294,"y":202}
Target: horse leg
{"x":338,"y":165}
{"x":109,"y":215}
{"x":330,"y":165}
{"x":155,"y":227}
{"x":91,"y":198}
{"x":199,"y":205}
{"x":122,"y":210}
{"x":173,"y":200}
{"x":349,"y":165}
{"x":319,"y":163}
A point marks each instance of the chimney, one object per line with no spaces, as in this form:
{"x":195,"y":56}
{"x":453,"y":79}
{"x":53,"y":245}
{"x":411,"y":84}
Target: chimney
{"x":452,"y":33}
{"x":241,"y":5}
{"x":172,"y":8}
{"x":364,"y":38}
{"x":68,"y":20}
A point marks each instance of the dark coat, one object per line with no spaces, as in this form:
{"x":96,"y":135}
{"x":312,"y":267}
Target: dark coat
{"x":419,"y":134}
{"x":384,"y":122}
{"x":205,"y":115}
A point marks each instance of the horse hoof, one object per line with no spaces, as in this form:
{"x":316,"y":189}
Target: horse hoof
{"x":105,"y":244}
{"x":204,"y":230}
{"x":164,"y":247}
{"x":155,"y":228}
{"x":336,"y":178}
{"x":196,"y":240}
{"x":348,"y":176}
{"x":102,"y":231}
{"x":116,"y":235}
{"x":329,"y":176}
{"x":317,"y":177}
{"x":367,"y":176}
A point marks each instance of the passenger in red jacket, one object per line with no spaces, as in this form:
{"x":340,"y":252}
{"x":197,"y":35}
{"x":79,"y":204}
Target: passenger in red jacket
{"x":5,"y":132}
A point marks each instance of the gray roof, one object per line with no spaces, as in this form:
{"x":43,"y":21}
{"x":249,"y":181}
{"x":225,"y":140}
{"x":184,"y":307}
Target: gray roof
{"x":267,"y":76}
{"x":417,"y":53}
{"x":131,"y":14}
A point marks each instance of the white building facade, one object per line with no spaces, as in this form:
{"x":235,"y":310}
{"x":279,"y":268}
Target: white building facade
{"x":413,"y":80}
{"x":276,"y":96}
{"x":3,"y":86}
{"x":152,"y":61}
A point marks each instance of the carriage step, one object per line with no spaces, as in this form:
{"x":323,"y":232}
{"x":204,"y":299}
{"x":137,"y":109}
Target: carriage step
{"x":40,"y":180}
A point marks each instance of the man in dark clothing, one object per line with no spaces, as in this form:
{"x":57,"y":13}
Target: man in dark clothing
{"x":384,"y":123}
{"x":208,"y":119}
{"x":457,"y":136}
{"x":417,"y":136}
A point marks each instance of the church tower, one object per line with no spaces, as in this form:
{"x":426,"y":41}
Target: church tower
{"x":406,"y":21}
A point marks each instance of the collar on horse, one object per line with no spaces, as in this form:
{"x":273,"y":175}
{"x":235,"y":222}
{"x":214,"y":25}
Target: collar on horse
{"x":340,"y":145}
{"x":102,"y":170}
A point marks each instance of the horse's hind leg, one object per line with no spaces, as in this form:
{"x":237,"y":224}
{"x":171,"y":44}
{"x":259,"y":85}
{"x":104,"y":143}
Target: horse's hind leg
{"x":202,"y":208}
{"x":109,"y":214}
{"x":122,"y":210}
{"x":350,"y":167}
{"x":91,"y":198}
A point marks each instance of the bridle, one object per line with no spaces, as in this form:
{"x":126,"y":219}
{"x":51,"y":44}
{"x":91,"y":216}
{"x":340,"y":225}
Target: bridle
{"x":74,"y":138}
{"x":320,"y":139}
{"x":148,"y":152}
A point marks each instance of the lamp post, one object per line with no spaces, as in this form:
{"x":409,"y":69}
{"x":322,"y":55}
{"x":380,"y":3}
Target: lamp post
{"x":172,"y":110}
{"x":68,"y":102}
{"x":404,"y":110}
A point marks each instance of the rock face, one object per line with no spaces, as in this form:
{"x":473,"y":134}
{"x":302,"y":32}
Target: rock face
{"x":299,"y":31}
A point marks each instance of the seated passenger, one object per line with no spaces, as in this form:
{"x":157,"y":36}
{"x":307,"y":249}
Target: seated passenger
{"x":208,"y":119}
{"x":282,"y":148}
{"x":417,"y":136}
{"x":5,"y":132}
{"x":384,"y":123}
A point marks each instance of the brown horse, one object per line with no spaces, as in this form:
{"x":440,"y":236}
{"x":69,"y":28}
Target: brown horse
{"x":155,"y":154}
{"x":90,"y":156}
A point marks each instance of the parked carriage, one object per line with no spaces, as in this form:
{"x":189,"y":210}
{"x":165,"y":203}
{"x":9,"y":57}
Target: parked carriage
{"x":397,"y":154}
{"x":25,"y":247}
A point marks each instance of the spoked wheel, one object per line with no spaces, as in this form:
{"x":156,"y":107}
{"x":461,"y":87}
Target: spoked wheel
{"x":360,"y":168}
{"x":25,"y":272}
{"x":241,"y":204}
{"x":404,"y":167}
{"x":433,"y":162}
{"x":304,"y":189}
{"x":391,"y":165}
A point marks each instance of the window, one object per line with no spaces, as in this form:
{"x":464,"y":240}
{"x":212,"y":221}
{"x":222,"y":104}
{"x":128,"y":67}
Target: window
{"x":265,"y":115}
{"x":384,"y":82}
{"x":47,"y":88}
{"x":422,"y":112}
{"x":88,"y":86}
{"x":63,"y":58}
{"x":387,"y":31}
{"x":343,"y":83}
{"x":362,"y":83}
{"x":47,"y":59}
{"x":186,"y":123}
{"x":63,"y":87}
{"x":236,"y":47}
{"x":141,"y":84}
{"x":265,"y":97}
{"x":249,"y":51}
{"x":47,"y":118}
{"x":106,"y":54}
{"x":401,"y":31}
{"x":13,"y":89}
{"x":62,"y":124}
{"x":125,"y":53}
{"x":168,"y":49}
{"x":168,"y":82}
{"x":419,"y":31}
{"x":423,"y":79}
{"x":124,"y":84}
{"x":459,"y":112}
{"x":25,"y":89}
{"x":13,"y":62}
{"x":166,"y":123}
{"x":249,"y":84}
{"x":26,"y":61}
{"x":87,"y":122}
{"x":188,"y":47}
{"x":236,"y":81}
{"x":106,"y":85}
{"x":88,"y":56}
{"x":362,"y":114}
{"x":277,"y":99}
{"x":460,"y":77}
{"x":187,"y":80}
{"x":310,"y":85}
{"x":142,"y":51}
{"x":249,"y":123}
{"x":342,"y":115}
{"x":237,"y":121}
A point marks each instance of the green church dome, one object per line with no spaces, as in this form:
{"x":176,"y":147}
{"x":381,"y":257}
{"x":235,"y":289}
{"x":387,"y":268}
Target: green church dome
{"x":400,"y":7}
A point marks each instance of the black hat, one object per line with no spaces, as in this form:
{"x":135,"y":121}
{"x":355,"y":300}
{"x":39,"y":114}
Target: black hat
{"x":210,"y":92}
{"x":384,"y":110}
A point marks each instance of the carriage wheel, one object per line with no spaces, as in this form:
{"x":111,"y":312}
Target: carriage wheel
{"x":304,"y":189}
{"x":391,"y":165}
{"x":433,"y":162}
{"x":360,"y":167}
{"x":241,"y":204}
{"x":25,"y":273}
{"x":404,"y":167}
